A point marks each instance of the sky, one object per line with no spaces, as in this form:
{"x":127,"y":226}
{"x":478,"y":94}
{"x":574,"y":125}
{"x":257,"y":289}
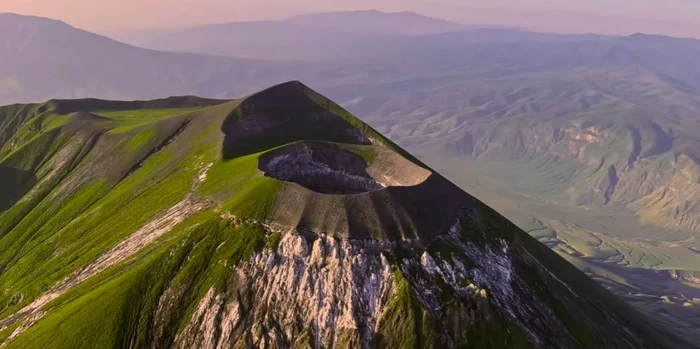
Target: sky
{"x":671,"y":17}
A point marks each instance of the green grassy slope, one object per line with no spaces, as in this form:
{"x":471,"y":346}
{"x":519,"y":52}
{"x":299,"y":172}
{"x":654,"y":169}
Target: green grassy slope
{"x":76,"y":211}
{"x":102,"y":174}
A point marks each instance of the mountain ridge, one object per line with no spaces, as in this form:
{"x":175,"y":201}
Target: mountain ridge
{"x":381,"y":23}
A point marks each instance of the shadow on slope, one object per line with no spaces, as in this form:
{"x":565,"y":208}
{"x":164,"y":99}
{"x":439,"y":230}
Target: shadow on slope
{"x":14,"y":183}
{"x":284,"y":114}
{"x":67,"y":106}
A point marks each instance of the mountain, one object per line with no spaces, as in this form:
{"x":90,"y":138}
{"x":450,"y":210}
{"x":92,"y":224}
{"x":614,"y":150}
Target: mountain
{"x":373,"y":22}
{"x":277,"y":220}
{"x":331,"y":35}
{"x":137,"y":36}
{"x":344,"y":36}
{"x":275,"y":40}
{"x":43,"y":59}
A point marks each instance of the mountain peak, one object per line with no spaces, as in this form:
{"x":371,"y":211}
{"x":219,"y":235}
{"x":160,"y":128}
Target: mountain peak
{"x":286,"y":113}
{"x":337,"y":166}
{"x":290,"y":89}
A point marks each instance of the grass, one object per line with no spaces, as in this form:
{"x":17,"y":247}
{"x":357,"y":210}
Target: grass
{"x":273,"y":241}
{"x":196,"y":256}
{"x":402,"y":325}
{"x":57,"y":229}
{"x":139,"y":139}
{"x":37,"y":150}
{"x":242,"y":189}
{"x":143,"y":115}
{"x":127,"y":119}
{"x":5,"y":333}
{"x":70,"y":229}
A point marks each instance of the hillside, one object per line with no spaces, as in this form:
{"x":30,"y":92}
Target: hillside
{"x":156,"y":224}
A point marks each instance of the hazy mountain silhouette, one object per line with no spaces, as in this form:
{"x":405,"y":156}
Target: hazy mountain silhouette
{"x":43,"y":58}
{"x":373,"y":22}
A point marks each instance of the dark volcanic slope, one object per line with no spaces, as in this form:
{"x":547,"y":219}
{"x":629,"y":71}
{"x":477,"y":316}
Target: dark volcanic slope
{"x":424,"y":206}
{"x":381,"y":203}
{"x":174,"y":228}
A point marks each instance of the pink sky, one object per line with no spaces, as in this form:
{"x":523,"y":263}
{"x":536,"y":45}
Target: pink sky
{"x":672,"y":17}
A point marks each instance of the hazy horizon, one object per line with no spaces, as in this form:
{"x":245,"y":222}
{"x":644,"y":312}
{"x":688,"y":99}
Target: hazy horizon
{"x":113,"y":17}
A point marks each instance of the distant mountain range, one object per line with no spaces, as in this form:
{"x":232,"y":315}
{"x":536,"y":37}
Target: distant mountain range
{"x":373,"y":22}
{"x":43,"y":58}
{"x":315,"y":37}
{"x":339,"y":36}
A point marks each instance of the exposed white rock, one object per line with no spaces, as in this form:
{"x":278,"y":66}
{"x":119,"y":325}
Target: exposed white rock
{"x":150,"y":232}
{"x":212,"y":323}
{"x":202,"y":175}
{"x":428,"y":263}
{"x":330,"y":287}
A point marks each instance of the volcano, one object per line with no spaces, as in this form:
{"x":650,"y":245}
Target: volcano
{"x":274,"y":221}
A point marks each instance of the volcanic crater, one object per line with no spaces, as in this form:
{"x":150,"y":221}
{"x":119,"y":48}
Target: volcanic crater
{"x":328,"y":168}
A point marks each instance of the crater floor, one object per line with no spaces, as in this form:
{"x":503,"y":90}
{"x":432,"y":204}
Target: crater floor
{"x":329,"y":169}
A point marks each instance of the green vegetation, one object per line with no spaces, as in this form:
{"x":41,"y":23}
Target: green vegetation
{"x":242,"y":189}
{"x":273,"y":241}
{"x":143,"y":116}
{"x":70,"y":220}
{"x":4,"y":334}
{"x":140,"y":139}
{"x":404,"y":324}
{"x":195,"y":257}
{"x":127,"y":120}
